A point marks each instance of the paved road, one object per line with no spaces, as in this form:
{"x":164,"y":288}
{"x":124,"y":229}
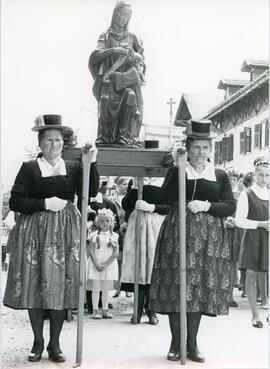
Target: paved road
{"x":227,"y":342}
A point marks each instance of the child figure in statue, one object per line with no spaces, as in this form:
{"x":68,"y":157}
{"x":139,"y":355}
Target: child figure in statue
{"x":117,"y":81}
{"x":127,"y":122}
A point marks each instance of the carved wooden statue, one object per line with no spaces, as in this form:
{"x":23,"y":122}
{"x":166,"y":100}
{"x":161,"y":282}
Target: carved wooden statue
{"x":118,"y":69}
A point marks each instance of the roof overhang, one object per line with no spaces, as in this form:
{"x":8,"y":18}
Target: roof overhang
{"x":238,"y":95}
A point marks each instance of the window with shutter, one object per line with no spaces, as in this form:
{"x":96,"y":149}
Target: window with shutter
{"x":247,"y":139}
{"x":224,"y":149}
{"x":216,"y":155}
{"x":220,"y":153}
{"x":242,"y":142}
{"x":266,"y":137}
{"x":258,"y":136}
{"x":230,"y":147}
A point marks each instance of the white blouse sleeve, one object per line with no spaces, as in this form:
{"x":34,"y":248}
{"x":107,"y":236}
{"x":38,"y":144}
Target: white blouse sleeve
{"x":242,"y":212}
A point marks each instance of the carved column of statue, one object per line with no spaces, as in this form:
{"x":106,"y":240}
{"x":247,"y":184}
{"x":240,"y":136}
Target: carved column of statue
{"x":117,"y":67}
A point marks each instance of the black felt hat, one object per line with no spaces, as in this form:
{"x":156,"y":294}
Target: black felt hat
{"x":49,"y":121}
{"x":200,"y":129}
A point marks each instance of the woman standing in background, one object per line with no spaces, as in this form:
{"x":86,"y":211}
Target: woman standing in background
{"x":252,"y":214}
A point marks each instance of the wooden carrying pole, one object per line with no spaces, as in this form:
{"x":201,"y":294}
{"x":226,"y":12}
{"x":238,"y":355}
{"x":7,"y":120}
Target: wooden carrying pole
{"x":86,"y":163}
{"x":181,"y":164}
{"x":137,"y":253}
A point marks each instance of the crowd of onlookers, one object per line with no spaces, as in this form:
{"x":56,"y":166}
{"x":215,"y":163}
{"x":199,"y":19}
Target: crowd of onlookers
{"x":226,"y":219}
{"x":111,"y":198}
{"x":239,"y":182}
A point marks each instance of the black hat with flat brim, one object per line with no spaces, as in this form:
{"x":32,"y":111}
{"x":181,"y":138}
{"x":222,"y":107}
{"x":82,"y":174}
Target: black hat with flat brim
{"x":49,"y":121}
{"x":200,"y":129}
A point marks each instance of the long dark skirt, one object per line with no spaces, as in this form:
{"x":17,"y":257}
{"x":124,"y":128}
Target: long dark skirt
{"x":235,"y":236}
{"x":207,"y":265}
{"x":254,"y":250}
{"x":44,"y":261}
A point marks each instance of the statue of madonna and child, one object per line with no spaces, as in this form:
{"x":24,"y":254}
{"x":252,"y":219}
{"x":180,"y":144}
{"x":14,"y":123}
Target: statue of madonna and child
{"x":117,"y":67}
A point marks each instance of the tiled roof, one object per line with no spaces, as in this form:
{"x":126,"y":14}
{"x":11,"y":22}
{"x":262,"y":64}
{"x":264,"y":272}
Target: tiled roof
{"x":231,"y":82}
{"x":197,"y":104}
{"x":264,"y":78}
{"x":248,"y":63}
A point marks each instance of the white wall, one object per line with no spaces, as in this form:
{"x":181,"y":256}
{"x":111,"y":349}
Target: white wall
{"x":244,"y":162}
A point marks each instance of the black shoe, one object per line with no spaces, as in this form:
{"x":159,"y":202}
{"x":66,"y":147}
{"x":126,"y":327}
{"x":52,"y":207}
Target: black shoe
{"x":35,"y":354}
{"x":257,"y":323}
{"x":153,"y":320}
{"x":56,"y":356}
{"x":233,"y":304}
{"x":173,"y":356}
{"x":243,"y":294}
{"x":110,"y":306}
{"x":195,"y":355}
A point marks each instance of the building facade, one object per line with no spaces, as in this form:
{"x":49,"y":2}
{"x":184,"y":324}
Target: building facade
{"x":241,"y":121}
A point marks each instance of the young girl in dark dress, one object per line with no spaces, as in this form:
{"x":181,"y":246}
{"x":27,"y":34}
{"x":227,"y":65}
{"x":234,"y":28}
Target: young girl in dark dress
{"x":252,"y":214}
{"x":209,"y":200}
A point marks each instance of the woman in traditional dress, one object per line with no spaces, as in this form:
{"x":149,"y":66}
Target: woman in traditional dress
{"x":209,"y":200}
{"x":44,"y":259}
{"x":154,"y":209}
{"x":252,"y":214}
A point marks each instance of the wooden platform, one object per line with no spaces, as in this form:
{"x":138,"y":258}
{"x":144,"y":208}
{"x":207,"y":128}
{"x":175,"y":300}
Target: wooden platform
{"x":125,"y":162}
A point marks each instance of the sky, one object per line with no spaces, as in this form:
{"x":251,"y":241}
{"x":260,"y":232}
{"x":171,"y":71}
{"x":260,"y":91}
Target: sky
{"x":45,"y":46}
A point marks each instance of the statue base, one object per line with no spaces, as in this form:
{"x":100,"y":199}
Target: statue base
{"x":121,"y":161}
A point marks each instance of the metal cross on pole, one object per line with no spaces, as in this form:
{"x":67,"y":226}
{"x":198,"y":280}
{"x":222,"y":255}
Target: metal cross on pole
{"x":171,"y":103}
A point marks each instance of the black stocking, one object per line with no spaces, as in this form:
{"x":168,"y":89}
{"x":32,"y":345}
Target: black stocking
{"x":141,"y":303}
{"x":193,"y":323}
{"x":147,"y":298}
{"x":141,"y":298}
{"x":174,"y":320}
{"x":146,"y":304}
{"x":56,"y":323}
{"x":89,"y":301}
{"x":37,"y":321}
